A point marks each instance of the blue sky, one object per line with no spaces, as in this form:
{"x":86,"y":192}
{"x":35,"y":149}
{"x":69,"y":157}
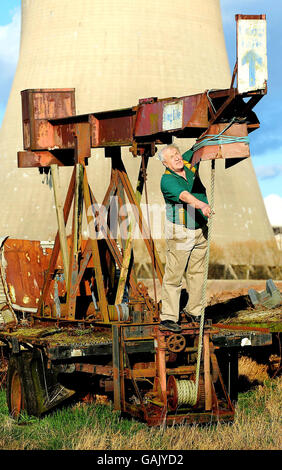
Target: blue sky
{"x":266,"y":147}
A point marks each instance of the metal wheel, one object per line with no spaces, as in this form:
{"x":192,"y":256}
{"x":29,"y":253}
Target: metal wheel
{"x":15,"y":390}
{"x":172,"y":397}
{"x":27,"y":381}
{"x":176,"y":343}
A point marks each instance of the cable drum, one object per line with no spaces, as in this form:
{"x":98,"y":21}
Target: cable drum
{"x":119,"y":312}
{"x":181,"y":392}
{"x":186,"y":392}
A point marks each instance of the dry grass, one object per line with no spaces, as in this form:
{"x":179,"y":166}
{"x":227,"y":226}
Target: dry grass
{"x":257,"y":425}
{"x":253,"y":429}
{"x":216,"y":254}
{"x":252,"y":252}
{"x":252,"y":370}
{"x":247,"y":252}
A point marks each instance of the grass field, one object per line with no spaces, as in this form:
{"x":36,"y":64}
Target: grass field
{"x":81,"y":426}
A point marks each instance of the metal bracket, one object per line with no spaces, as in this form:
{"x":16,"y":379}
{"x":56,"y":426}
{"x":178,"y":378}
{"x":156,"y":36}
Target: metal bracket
{"x":270,"y":298}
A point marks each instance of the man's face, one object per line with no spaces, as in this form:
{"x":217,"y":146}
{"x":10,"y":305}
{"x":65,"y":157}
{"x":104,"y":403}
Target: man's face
{"x":173,"y":159}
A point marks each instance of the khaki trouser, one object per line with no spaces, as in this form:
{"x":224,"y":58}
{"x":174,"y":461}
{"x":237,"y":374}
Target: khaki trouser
{"x":185,"y":255}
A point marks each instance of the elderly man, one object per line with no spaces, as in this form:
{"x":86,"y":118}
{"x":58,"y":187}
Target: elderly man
{"x":187,"y":212}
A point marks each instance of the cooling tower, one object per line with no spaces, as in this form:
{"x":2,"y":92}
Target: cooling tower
{"x":114,"y":52}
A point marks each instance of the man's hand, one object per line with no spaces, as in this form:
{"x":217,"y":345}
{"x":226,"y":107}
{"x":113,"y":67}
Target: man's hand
{"x":206,"y":210}
{"x":185,"y":196}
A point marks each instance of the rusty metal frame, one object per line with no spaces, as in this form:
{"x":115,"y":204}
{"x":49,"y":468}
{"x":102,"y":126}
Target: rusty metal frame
{"x":51,"y":138}
{"x":134,"y":127}
{"x":80,"y":190}
{"x":71,"y":137}
{"x":154,"y":407}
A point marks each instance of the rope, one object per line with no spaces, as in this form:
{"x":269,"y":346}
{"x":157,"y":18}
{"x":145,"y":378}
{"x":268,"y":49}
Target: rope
{"x":220,"y":139}
{"x":225,"y":139}
{"x":202,"y":321}
{"x":185,"y":392}
{"x":210,"y":141}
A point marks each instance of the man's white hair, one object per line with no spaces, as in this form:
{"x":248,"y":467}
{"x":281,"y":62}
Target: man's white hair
{"x":161,"y":153}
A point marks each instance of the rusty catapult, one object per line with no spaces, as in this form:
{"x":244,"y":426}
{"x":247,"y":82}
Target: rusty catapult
{"x":93,"y":326}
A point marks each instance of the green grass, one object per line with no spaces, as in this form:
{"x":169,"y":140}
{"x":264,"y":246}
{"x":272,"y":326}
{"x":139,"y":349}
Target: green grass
{"x":58,"y":430}
{"x":257,"y":425}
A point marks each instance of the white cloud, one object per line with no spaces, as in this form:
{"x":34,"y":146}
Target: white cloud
{"x":268,"y":171}
{"x":9,"y":43}
{"x":9,"y":52}
{"x":273,"y":205}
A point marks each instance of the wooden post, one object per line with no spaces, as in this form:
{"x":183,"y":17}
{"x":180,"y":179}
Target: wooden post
{"x":141,"y":222}
{"x":124,"y":266}
{"x":207,"y":373}
{"x":135,"y":200}
{"x":161,"y":364}
{"x":116,"y":366}
{"x":56,"y":249}
{"x":75,"y":242}
{"x":128,"y":246}
{"x":103,"y":304}
{"x":60,"y":219}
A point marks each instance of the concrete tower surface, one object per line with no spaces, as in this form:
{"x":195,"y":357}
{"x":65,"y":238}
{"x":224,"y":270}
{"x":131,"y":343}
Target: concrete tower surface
{"x":114,"y":53}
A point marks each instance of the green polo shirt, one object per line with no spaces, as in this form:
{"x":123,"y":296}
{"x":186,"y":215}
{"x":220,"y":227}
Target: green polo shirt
{"x":172,"y":186}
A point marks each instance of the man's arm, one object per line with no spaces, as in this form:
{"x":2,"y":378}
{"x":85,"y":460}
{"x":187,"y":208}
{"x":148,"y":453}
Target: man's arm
{"x":188,"y":198}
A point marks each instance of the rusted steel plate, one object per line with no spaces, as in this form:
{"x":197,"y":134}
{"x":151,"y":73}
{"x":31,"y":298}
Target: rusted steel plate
{"x":44,"y":159}
{"x":23,"y":264}
{"x":226,"y":150}
{"x":49,"y":122}
{"x":112,"y":128}
{"x":40,"y":105}
{"x":172,"y":114}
